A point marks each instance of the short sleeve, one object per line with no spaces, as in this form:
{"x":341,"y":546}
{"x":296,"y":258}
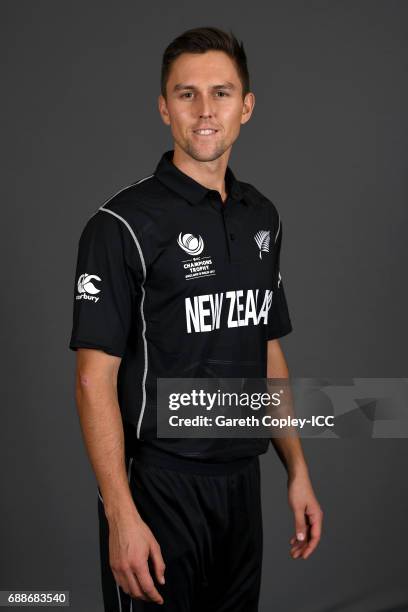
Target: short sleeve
{"x":279,"y":323}
{"x":103,"y":288}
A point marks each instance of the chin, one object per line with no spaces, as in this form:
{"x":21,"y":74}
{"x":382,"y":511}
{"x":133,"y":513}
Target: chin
{"x":205,"y":155}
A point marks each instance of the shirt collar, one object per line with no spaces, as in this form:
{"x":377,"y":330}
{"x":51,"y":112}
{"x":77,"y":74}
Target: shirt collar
{"x":187,"y":187}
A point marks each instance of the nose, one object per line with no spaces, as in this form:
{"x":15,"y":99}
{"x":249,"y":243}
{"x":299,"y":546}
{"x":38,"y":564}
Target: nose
{"x":205,"y":107}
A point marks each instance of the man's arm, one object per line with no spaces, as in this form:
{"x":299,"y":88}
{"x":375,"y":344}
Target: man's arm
{"x":307,"y":511}
{"x":130,"y":540}
{"x":288,"y":449}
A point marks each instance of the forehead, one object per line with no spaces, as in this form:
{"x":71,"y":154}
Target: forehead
{"x":203,"y":68}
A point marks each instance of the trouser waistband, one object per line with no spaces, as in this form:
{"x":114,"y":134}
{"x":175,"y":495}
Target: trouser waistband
{"x":152,"y":456}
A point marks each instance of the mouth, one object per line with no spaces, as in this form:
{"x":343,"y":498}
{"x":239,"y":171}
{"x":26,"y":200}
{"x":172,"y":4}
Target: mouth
{"x":205,"y":132}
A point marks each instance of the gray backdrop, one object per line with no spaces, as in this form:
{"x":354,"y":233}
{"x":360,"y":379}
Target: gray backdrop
{"x":327,"y":143}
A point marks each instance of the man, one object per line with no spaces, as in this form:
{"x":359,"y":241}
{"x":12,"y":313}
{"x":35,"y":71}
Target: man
{"x":166,"y":269}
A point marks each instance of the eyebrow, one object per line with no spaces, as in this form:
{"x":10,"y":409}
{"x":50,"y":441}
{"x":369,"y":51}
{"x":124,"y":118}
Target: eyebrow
{"x":226,"y":85}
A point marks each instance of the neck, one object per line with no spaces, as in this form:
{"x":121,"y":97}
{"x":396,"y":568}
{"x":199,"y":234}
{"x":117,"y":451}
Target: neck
{"x":210,"y":174}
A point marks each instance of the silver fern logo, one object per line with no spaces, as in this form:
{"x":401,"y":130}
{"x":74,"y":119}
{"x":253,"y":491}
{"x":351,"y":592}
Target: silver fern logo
{"x":193,"y":245}
{"x":262,"y":239}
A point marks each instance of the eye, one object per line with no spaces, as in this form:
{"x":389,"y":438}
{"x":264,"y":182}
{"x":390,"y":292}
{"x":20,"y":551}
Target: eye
{"x":223,"y":94}
{"x":187,"y":93}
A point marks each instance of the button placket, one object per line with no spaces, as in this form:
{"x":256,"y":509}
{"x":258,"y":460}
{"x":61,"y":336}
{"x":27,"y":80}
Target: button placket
{"x":231,"y":223}
{"x":216,"y":201}
{"x":226,"y":234}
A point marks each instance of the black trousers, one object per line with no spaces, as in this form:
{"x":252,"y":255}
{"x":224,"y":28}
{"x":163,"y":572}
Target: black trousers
{"x":208,"y":523}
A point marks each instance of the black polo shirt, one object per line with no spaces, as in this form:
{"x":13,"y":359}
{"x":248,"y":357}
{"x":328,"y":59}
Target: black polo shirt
{"x":179,"y":284}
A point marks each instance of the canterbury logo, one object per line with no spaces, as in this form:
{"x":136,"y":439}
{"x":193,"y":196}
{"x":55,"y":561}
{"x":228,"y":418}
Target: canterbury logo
{"x":86,"y":288}
{"x":190,"y":244}
{"x":262,"y":239}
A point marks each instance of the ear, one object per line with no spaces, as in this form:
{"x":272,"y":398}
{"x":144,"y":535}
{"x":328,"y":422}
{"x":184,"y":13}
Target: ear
{"x":248,"y":107}
{"x":164,"y":113}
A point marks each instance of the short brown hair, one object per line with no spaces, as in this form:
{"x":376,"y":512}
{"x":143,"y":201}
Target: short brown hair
{"x":200,"y":40}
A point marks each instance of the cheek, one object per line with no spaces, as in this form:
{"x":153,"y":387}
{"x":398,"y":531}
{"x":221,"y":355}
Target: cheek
{"x":232,"y":117}
{"x":181,"y":121}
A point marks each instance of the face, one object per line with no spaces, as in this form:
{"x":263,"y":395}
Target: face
{"x":204,"y":106}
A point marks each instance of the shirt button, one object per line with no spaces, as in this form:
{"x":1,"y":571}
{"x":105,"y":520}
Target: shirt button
{"x":232,"y":236}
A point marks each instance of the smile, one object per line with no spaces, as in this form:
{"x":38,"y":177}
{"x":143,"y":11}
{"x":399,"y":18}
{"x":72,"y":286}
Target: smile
{"x":205,"y":132}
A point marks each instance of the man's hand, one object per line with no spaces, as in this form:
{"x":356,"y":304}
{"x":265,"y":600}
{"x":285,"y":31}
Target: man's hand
{"x":308,"y":516}
{"x":131,"y":544}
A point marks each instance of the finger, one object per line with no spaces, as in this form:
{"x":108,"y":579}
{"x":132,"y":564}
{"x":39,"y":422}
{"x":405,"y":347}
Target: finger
{"x":135,"y":590}
{"x":297,"y":556}
{"x":147,"y":584}
{"x":300,"y":546}
{"x":311,"y":547}
{"x":300,"y":525}
{"x":158,"y":562}
{"x":297,"y":552}
{"x":295,"y":541}
{"x":299,"y":549}
{"x":315,"y":532}
{"x":296,"y":549}
{"x":126,"y":584}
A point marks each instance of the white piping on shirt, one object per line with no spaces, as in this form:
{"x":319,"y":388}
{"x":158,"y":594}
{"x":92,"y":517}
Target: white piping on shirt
{"x":120,"y":191}
{"x":101,"y":208}
{"x":141,"y":314}
{"x":117,"y":590}
{"x":127,"y":187}
{"x":278,"y":229}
